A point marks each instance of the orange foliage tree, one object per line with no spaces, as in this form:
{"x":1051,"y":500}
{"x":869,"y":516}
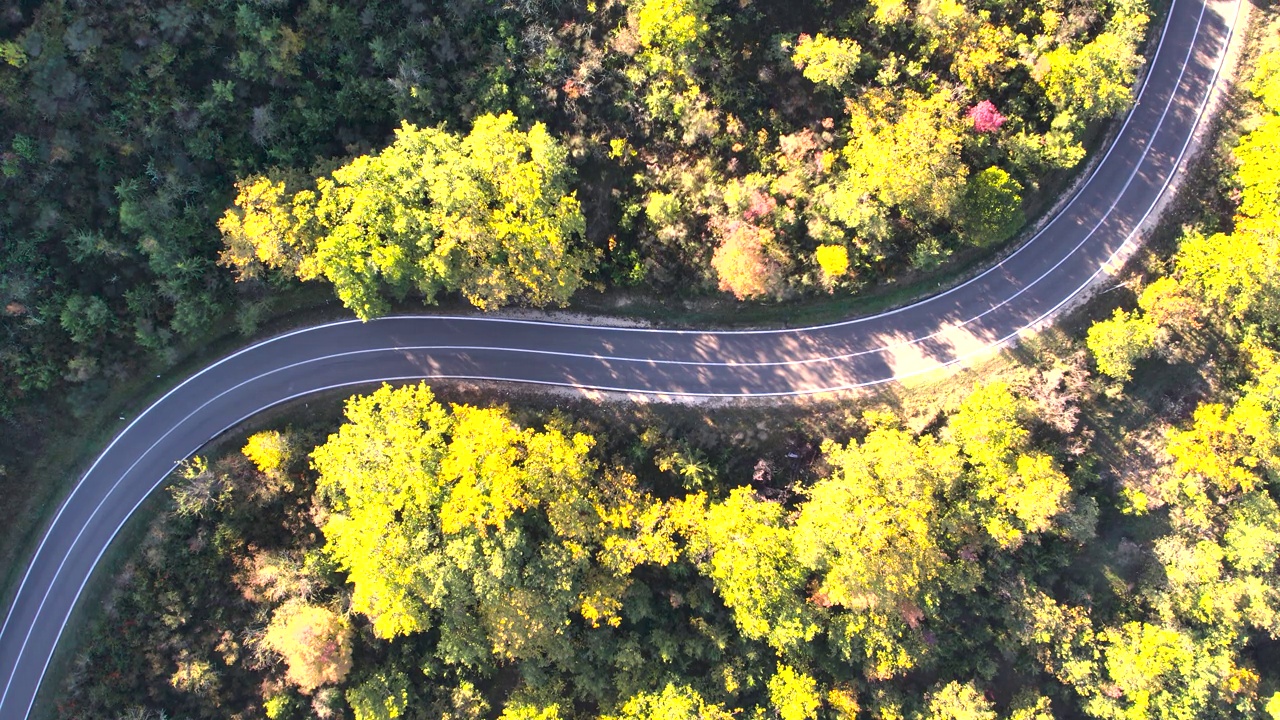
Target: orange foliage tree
{"x":745,"y":262}
{"x":315,"y":643}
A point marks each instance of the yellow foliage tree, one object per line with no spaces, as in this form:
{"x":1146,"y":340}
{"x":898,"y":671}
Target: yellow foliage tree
{"x":833,"y":260}
{"x":315,"y":643}
{"x":488,"y":214}
{"x":493,"y":534}
{"x":828,"y":60}
{"x":903,"y":151}
{"x":269,"y":450}
{"x":264,"y":230}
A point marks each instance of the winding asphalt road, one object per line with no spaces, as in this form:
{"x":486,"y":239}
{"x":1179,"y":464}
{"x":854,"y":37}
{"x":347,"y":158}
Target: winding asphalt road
{"x":1013,"y":297}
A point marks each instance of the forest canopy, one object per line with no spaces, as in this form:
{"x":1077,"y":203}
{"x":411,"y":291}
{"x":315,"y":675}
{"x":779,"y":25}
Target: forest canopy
{"x":171,"y":169}
{"x":1058,"y":543}
{"x":511,"y":153}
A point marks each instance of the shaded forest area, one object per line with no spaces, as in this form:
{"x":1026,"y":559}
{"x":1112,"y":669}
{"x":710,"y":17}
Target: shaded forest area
{"x":767,"y":149}
{"x":1061,"y":542}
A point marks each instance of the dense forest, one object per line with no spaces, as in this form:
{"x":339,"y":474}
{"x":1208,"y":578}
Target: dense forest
{"x":1095,"y":535}
{"x":510,"y":152}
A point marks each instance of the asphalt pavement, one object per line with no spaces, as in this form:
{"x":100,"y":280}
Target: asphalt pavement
{"x":992,"y":309}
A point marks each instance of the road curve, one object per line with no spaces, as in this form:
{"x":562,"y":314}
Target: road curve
{"x":989,"y":310}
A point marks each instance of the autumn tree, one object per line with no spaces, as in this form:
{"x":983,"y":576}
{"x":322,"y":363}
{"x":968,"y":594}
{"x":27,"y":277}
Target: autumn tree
{"x":675,"y":702}
{"x":833,"y":260}
{"x":753,"y":563}
{"x":903,"y":152}
{"x":984,"y":54}
{"x":460,"y":520}
{"x":959,"y":701}
{"x":269,"y":450}
{"x":268,"y":227}
{"x":986,"y":118}
{"x":828,"y":60}
{"x":1259,"y":153}
{"x":315,"y":643}
{"x":671,"y":35}
{"x":865,"y":556}
{"x":842,"y":702}
{"x":746,"y":262}
{"x":671,"y":31}
{"x":1259,"y":150}
{"x":1094,"y":80}
{"x":1234,"y":276}
{"x":488,"y":214}
{"x":794,"y":694}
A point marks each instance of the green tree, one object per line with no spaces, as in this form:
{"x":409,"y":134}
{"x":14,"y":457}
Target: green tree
{"x":1019,"y":490}
{"x":1095,"y":80}
{"x":85,"y":318}
{"x":991,"y":211}
{"x":1165,"y":306}
{"x":461,"y":520}
{"x":12,"y":53}
{"x":528,"y":711}
{"x":869,"y":529}
{"x":1154,"y":672}
{"x":384,"y":696}
{"x":1237,"y":275}
{"x":1226,"y":582}
{"x":671,"y":35}
{"x":1027,"y":705}
{"x":902,"y":152}
{"x":1060,"y":636}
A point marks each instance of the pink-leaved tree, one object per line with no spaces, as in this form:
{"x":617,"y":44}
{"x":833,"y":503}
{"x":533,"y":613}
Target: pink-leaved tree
{"x":985,"y":117}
